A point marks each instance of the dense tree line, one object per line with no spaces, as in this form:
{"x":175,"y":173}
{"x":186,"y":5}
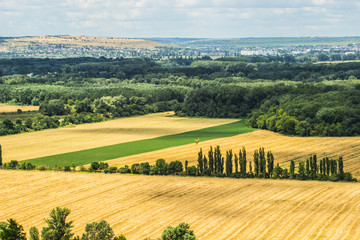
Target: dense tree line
{"x":321,"y":99}
{"x":214,"y":163}
{"x":58,"y":228}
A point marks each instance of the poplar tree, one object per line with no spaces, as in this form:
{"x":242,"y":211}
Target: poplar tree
{"x":341,"y":167}
{"x":186,"y":166}
{"x":211,"y":159}
{"x":244,"y":160}
{"x":200,"y":162}
{"x":256,"y":162}
{"x":0,"y":156}
{"x":307,"y":167}
{"x":222,"y":165}
{"x":229,"y":164}
{"x":205,"y":161}
{"x":262,"y":162}
{"x":328,"y":166}
{"x":236,"y":163}
{"x":250,"y":168}
{"x":270,"y":163}
{"x":292,"y":169}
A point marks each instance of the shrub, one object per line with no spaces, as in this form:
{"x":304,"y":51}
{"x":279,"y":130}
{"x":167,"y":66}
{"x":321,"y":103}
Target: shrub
{"x":192,"y":171}
{"x":42,"y":168}
{"x":67,"y":169}
{"x":175,"y":167}
{"x":94,"y":166}
{"x":178,"y":233}
{"x":124,"y":169}
{"x":145,"y":168}
{"x":135,"y":168}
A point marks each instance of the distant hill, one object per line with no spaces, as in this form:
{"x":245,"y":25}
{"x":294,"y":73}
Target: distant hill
{"x":272,"y":41}
{"x":176,"y":40}
{"x":81,"y":41}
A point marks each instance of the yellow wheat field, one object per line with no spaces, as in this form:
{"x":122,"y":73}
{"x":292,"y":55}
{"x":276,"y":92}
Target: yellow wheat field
{"x":283,"y":147}
{"x":86,"y":136}
{"x":142,"y":206}
{"x":14,"y":108}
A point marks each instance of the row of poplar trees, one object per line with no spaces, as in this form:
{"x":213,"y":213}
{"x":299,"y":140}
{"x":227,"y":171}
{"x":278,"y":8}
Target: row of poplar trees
{"x":235,"y":164}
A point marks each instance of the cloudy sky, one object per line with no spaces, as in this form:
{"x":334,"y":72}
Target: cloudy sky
{"x":180,"y":18}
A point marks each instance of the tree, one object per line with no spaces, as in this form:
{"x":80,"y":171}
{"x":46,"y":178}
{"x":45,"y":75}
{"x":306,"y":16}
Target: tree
{"x":94,"y":166}
{"x":135,"y":168}
{"x":292,"y":169}
{"x":162,"y":166}
{"x":301,"y":172}
{"x":270,"y":163}
{"x":11,"y":230}
{"x":0,"y":156}
{"x":256,"y":162}
{"x":98,"y":231}
{"x":229,"y":163}
{"x":145,"y":168}
{"x":200,"y":162}
{"x":34,"y":233}
{"x":175,"y":167}
{"x":186,"y":166}
{"x":211,"y":159}
{"x":181,"y":232}
{"x":58,"y":228}
{"x":236,"y":163}
{"x":341,"y":168}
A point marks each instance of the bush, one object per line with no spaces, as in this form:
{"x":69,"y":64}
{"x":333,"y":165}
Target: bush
{"x":67,"y":169}
{"x":178,"y":233}
{"x":94,"y":166}
{"x":135,"y":168}
{"x":42,"y":168}
{"x":175,"y":167}
{"x":192,"y":171}
{"x":112,"y":169}
{"x":124,"y":169}
{"x":145,"y":168}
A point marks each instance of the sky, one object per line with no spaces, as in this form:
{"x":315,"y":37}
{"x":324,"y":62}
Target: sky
{"x":180,"y":18}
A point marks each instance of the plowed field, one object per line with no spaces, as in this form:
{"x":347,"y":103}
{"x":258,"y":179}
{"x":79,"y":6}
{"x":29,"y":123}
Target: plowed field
{"x":142,"y":206}
{"x":283,"y":147}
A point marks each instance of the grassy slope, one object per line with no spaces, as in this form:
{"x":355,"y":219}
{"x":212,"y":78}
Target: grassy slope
{"x":141,"y":146}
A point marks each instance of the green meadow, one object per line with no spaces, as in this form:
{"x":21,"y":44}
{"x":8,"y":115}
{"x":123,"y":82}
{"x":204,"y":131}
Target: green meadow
{"x":83,"y":157}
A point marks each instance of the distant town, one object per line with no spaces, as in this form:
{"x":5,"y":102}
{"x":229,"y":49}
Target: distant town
{"x":295,"y":49}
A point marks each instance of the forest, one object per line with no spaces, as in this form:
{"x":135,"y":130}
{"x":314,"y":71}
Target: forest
{"x":292,"y":98}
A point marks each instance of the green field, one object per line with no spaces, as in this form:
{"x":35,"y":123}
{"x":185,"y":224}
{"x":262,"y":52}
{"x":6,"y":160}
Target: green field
{"x":136,"y":147}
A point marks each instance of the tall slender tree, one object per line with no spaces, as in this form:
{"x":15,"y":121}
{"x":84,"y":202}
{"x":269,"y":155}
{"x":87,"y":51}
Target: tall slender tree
{"x":200,"y":162}
{"x":256,"y":162}
{"x":0,"y":156}
{"x":236,"y":163}
{"x":292,"y":169}
{"x":211,"y":160}
{"x":270,"y":163}
{"x":229,"y":163}
{"x":341,"y":168}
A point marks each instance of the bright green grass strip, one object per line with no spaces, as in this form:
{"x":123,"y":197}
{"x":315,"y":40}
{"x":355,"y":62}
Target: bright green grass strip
{"x":130,"y":148}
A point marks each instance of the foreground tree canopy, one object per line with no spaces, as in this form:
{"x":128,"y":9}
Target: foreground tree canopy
{"x":60,"y":229}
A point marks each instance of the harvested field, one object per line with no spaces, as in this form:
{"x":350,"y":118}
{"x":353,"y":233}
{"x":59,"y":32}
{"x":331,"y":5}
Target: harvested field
{"x":87,"y":156}
{"x":283,"y":147}
{"x":142,"y":206}
{"x":14,"y":108}
{"x":87,"y":136}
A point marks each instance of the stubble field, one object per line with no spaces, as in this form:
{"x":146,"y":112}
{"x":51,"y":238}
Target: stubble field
{"x":283,"y":147}
{"x":87,"y":136}
{"x":13,"y":108}
{"x":143,"y":206}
